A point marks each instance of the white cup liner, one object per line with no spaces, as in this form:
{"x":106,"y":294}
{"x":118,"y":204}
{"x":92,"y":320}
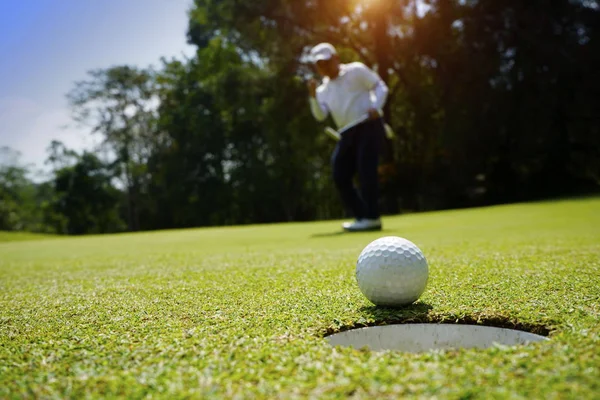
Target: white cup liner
{"x":419,"y":338}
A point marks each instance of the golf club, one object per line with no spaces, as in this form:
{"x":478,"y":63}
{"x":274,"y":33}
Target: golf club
{"x":335,"y":135}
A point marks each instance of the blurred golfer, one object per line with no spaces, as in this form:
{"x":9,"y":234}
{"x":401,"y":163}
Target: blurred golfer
{"x":354,"y":95}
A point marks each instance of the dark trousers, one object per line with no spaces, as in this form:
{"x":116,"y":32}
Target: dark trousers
{"x":357,"y":153}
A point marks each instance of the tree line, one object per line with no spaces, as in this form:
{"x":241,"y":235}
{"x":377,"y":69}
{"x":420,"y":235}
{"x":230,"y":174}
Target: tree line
{"x":491,"y":101}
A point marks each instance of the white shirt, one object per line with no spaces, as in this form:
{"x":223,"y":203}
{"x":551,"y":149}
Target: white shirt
{"x":350,"y":96}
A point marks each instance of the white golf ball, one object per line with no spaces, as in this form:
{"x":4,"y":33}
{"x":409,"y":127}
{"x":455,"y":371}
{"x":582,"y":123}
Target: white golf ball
{"x":392,"y":271}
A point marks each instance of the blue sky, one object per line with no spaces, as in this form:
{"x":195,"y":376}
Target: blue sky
{"x":47,"y":45}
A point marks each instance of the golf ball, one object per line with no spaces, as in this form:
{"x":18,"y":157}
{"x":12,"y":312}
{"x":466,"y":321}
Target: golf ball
{"x":392,"y":271}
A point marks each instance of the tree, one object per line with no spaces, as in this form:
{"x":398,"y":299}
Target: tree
{"x":187,"y":169}
{"x":12,"y":181}
{"x":19,"y":197}
{"x":491,"y":101}
{"x":492,"y":97}
{"x":120,"y":103}
{"x":237,"y":149}
{"x":85,"y":200}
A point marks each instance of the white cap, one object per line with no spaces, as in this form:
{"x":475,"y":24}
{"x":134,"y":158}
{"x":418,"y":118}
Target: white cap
{"x":322,"y":51}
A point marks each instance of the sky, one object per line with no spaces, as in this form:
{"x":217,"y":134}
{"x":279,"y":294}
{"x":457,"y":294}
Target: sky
{"x":48,"y":45}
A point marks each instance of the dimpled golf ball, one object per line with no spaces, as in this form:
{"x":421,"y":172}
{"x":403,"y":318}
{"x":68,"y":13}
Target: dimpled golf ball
{"x":392,"y":271}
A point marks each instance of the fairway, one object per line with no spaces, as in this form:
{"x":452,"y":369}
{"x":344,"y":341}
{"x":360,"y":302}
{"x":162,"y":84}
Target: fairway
{"x":241,"y":311}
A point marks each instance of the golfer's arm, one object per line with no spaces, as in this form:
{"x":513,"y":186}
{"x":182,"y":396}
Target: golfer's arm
{"x":318,"y":110}
{"x":380,"y":92}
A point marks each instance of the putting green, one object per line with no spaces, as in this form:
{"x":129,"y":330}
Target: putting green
{"x":242,"y":311}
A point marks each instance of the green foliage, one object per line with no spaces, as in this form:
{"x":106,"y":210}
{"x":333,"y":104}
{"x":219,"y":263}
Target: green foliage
{"x":85,"y":200}
{"x":79,"y":199}
{"x":12,"y":188}
{"x":493,"y":101}
{"x":239,"y":138}
{"x":120,"y":104}
{"x":20,"y":198}
{"x":240,"y":312}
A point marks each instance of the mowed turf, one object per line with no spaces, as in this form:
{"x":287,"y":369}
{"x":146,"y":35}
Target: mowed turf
{"x":242,"y":311}
{"x":22,"y":236}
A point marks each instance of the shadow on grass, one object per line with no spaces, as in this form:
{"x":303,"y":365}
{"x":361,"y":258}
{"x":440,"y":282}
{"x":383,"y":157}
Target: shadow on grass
{"x":338,"y":233}
{"x":376,"y":315}
{"x":415,"y":310}
{"x":420,"y":313}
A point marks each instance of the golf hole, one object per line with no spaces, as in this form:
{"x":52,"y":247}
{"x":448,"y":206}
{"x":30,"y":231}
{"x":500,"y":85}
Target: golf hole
{"x":419,"y":338}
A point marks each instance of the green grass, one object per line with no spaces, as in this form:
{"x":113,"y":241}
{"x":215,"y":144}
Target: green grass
{"x":241,"y":311}
{"x":22,"y":236}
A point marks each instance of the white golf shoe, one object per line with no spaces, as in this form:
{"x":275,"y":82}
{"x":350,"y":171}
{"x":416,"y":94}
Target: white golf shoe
{"x":362,"y":225}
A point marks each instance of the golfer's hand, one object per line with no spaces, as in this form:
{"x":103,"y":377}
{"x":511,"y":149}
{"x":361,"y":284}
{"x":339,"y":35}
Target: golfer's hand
{"x":312,"y":87}
{"x":374,"y":113}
